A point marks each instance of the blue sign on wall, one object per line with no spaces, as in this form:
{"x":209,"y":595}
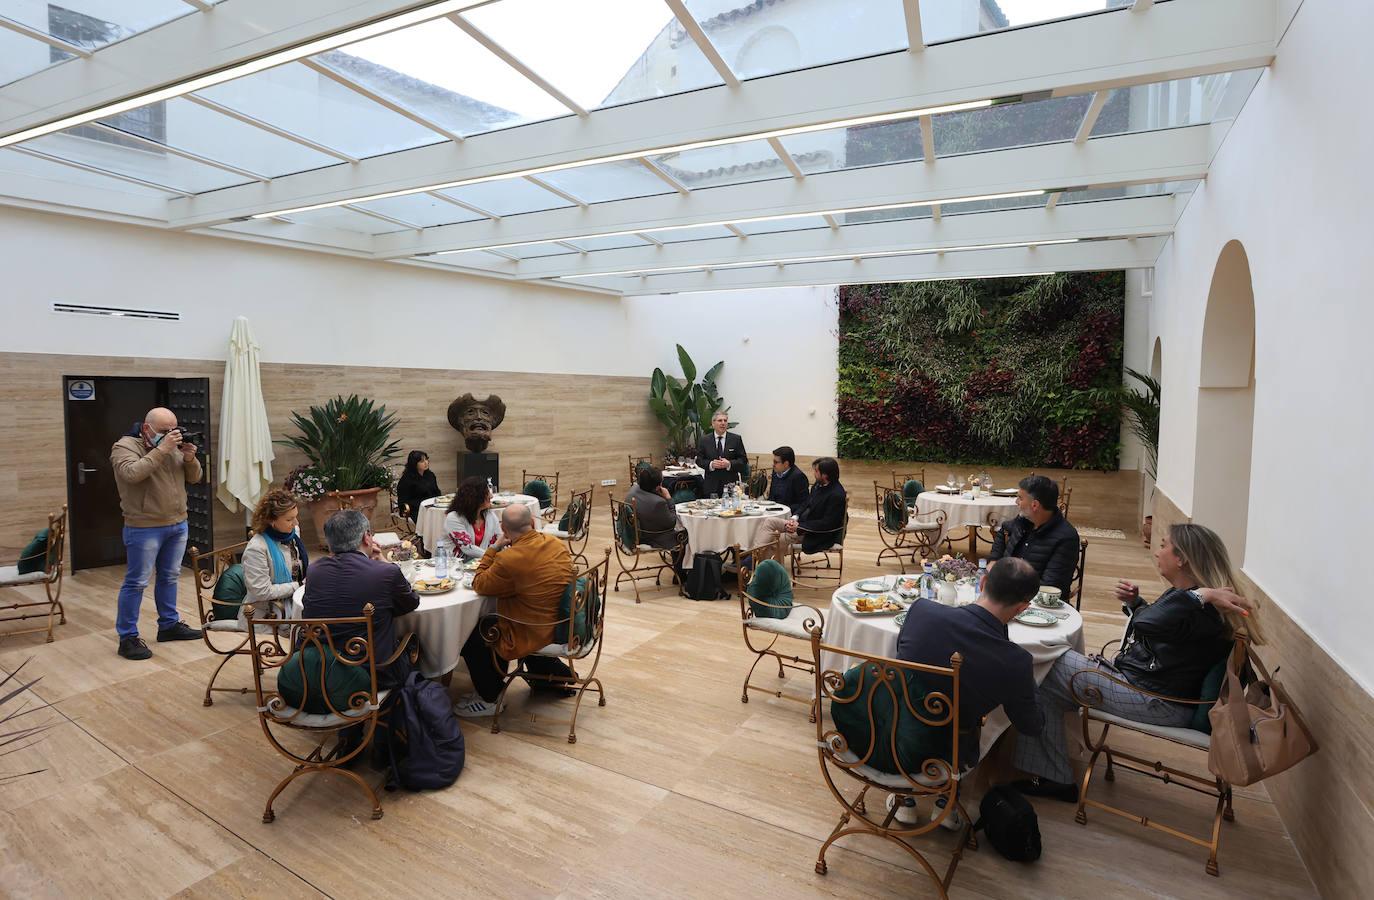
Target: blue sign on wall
{"x":80,"y":390}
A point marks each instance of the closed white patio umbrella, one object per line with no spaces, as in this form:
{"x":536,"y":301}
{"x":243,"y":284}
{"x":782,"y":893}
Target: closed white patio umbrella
{"x":245,"y":445}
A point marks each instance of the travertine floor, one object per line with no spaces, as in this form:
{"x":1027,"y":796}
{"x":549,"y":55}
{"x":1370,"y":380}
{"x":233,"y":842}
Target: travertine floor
{"x":674,"y":789}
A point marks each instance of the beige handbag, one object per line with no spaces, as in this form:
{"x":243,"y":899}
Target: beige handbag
{"x":1256,"y":731}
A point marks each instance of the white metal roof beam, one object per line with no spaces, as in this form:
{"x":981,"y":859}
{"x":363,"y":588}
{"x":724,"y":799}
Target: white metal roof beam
{"x":270,"y":129}
{"x":1176,"y":154}
{"x":693,"y":28}
{"x":515,"y":63}
{"x":177,"y":151}
{"x":361,"y":90}
{"x":40,"y":35}
{"x":1072,"y":56}
{"x":1087,"y":256}
{"x":1127,"y":217}
{"x":916,"y":41}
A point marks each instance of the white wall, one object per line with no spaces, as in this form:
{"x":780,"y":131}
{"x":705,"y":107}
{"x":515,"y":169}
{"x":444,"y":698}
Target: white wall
{"x":1292,"y":183}
{"x":1135,"y":354}
{"x":304,"y":307}
{"x":780,"y":348}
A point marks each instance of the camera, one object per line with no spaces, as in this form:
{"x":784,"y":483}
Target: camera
{"x":193,"y":437}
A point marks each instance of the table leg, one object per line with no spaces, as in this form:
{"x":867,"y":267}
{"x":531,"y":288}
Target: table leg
{"x":973,"y":540}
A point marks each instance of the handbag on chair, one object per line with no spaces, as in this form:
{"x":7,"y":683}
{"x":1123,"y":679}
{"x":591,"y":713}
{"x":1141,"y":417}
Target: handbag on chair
{"x":1256,"y":730}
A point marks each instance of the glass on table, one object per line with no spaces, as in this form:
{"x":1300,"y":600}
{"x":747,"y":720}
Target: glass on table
{"x":951,"y":480}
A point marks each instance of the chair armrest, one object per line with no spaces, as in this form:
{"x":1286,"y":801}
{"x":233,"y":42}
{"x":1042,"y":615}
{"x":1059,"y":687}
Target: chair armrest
{"x":1103,"y":651}
{"x":402,"y":646}
{"x":1091,"y":697}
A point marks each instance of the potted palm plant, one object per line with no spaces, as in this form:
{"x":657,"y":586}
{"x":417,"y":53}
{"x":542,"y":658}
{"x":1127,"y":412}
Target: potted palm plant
{"x":348,"y":444}
{"x":684,"y":407}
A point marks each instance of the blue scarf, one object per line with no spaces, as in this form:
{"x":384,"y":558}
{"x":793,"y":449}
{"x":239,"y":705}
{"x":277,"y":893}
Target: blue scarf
{"x":281,"y":571}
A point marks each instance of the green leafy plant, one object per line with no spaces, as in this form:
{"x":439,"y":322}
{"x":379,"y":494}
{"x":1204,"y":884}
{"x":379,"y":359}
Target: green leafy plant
{"x":685,"y":406}
{"x":14,"y":735}
{"x":1141,"y":409}
{"x":348,"y":442}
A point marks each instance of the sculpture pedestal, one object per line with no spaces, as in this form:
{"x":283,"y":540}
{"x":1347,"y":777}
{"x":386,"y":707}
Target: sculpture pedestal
{"x":481,"y":465}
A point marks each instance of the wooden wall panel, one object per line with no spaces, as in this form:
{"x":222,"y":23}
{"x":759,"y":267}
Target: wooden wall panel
{"x":1327,"y":801}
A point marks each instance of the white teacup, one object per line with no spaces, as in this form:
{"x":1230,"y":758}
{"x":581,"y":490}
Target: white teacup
{"x":1049,"y":597}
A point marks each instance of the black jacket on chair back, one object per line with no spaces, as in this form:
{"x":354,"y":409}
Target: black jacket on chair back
{"x":1052,"y":548}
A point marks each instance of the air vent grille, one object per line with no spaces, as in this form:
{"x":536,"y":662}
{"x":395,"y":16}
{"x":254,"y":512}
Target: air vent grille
{"x":116,"y":312}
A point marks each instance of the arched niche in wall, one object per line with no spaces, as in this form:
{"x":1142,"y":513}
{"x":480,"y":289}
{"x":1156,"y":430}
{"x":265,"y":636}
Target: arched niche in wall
{"x":1226,"y":402}
{"x":768,"y":50}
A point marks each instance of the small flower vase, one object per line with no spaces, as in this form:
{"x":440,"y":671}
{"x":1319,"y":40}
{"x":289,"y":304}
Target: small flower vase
{"x":947,"y":592}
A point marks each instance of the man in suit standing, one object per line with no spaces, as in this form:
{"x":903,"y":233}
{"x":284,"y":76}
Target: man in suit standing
{"x":720,"y":455}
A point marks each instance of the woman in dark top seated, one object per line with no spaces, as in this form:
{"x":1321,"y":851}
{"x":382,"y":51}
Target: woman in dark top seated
{"x":1169,"y":647}
{"x":416,"y":485}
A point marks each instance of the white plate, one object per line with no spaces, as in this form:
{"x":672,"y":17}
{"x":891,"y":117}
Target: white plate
{"x":873,"y":586}
{"x":1038,"y":618}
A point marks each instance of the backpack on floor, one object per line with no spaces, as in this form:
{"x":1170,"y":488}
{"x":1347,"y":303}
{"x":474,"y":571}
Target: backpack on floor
{"x":424,"y":742}
{"x":704,"y":581}
{"x":1011,"y":824}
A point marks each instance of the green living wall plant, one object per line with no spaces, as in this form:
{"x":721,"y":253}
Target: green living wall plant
{"x":1010,"y":371}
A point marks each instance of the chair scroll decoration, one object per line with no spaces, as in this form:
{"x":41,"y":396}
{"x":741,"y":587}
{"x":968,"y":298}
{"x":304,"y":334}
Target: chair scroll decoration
{"x":50,"y":576}
{"x":579,"y":519}
{"x":225,"y":637}
{"x":797,"y":624}
{"x":902,"y":527}
{"x":645,"y":561}
{"x":818,"y":570}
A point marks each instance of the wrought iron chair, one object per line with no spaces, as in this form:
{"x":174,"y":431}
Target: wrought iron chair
{"x":571,"y":643}
{"x":901,"y":529}
{"x":635,"y":463}
{"x":628,"y":539}
{"x":49,"y":575}
{"x":758,"y":484}
{"x":899,"y":479}
{"x":818,"y":570}
{"x":225,"y":636}
{"x":579,"y":515}
{"x":362,"y":708}
{"x":887,"y":683}
{"x":1089,"y":697}
{"x":797,"y":624}
{"x":403,"y":520}
{"x":547,"y":513}
{"x":1076,"y":582}
{"x":1065,"y":495}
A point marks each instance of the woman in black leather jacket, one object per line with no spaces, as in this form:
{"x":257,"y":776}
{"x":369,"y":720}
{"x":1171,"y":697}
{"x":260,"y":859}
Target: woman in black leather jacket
{"x":1168,"y":648}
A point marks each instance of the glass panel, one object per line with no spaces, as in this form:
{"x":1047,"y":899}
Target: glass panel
{"x":422,"y":210}
{"x":33,"y":167}
{"x":304,"y":102}
{"x":343,"y":219}
{"x":1011,"y":125}
{"x":1173,"y":104}
{"x":1129,"y":191}
{"x":943,"y":20}
{"x":508,"y":197}
{"x":976,"y":206}
{"x":534,"y":251}
{"x":182,"y":124}
{"x":608,"y":181}
{"x":728,"y":164}
{"x":437,"y":71}
{"x":106,"y":151}
{"x":93,"y":23}
{"x":764,"y":38}
{"x":618,"y":242}
{"x":885,"y":215}
{"x":861,"y":145}
{"x":472,"y":259}
{"x":801,"y":223}
{"x":695,"y":233}
{"x":21,"y":56}
{"x":599,"y":52}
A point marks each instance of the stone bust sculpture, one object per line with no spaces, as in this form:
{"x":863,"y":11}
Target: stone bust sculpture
{"x":476,"y":419}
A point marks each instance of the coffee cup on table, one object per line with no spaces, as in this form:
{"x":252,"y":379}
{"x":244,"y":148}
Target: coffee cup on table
{"x":1049,"y":597}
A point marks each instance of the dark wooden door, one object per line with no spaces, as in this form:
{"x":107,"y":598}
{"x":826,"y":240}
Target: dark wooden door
{"x":110,"y":410}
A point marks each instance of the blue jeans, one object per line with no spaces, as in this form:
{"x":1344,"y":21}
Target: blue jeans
{"x":162,"y":546}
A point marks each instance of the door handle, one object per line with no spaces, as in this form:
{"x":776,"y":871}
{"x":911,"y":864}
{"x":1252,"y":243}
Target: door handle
{"x":81,"y":470}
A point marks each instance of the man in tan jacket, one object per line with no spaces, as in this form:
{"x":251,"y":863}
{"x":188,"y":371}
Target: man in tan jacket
{"x":527,"y":572}
{"x":152,"y":470}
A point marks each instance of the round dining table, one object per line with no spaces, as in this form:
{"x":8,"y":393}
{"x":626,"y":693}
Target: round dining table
{"x":442,"y":622}
{"x":876,"y":634}
{"x":430,"y":523}
{"x":962,"y":510}
{"x":676,"y":477}
{"x":709,"y":533}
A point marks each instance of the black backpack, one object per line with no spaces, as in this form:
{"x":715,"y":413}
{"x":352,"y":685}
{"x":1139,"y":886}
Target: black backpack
{"x":1011,"y":824}
{"x":424,"y":742}
{"x":704,"y":581}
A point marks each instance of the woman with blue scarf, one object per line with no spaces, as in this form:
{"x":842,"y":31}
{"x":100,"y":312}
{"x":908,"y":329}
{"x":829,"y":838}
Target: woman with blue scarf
{"x":274,"y":562}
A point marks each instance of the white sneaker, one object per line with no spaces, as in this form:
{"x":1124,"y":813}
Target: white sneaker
{"x":952,"y":822}
{"x":906,"y":813}
{"x":473,"y":707}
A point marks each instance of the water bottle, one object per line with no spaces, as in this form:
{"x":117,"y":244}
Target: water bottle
{"x":491,"y":487}
{"x":441,"y":561}
{"x":982,"y":575}
{"x":926,"y":583}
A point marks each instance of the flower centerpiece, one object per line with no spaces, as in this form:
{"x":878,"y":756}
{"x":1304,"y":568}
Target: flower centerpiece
{"x":348,"y":444}
{"x":950,"y":572}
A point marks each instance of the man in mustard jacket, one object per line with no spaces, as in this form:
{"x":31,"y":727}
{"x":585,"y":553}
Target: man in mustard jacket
{"x":152,"y":470}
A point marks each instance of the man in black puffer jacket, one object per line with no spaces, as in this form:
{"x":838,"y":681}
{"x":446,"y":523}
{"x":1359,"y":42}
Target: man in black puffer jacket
{"x":1040,"y":535}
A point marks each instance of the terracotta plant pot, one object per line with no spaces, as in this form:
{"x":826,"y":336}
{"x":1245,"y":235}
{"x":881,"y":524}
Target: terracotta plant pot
{"x":364,"y":501}
{"x":1147,"y":529}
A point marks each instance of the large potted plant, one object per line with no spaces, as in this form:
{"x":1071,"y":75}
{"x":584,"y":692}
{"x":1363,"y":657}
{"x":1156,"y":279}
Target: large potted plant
{"x":685,"y":406}
{"x":348,"y":444}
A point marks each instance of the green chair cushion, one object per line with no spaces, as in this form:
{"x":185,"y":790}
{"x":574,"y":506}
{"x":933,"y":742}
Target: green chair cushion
{"x":771,"y":585}
{"x":1211,"y":689}
{"x":539,"y":489}
{"x":298,"y":681}
{"x":574,"y":517}
{"x":894,"y":511}
{"x":232,"y":589}
{"x":625,"y":530}
{"x":584,"y":623}
{"x":915,"y":741}
{"x":912,"y":489}
{"x":35,"y":556}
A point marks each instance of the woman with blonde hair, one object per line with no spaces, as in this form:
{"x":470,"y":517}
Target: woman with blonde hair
{"x":275,"y":561}
{"x":1168,"y":649}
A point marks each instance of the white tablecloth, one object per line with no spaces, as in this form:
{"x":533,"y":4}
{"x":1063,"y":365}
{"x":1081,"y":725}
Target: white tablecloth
{"x":430,"y":524}
{"x":961,"y":511}
{"x":877,"y":635}
{"x":689,"y":472}
{"x":713,"y":534}
{"x":442,"y":622}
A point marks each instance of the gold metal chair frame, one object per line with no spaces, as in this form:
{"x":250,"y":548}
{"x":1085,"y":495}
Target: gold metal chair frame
{"x":635,"y":462}
{"x":205,"y":578}
{"x":745,"y":574}
{"x":549,"y":514}
{"x":817,"y":570}
{"x":899,"y":479}
{"x":1088,"y":698}
{"x":660,"y":559}
{"x":1065,"y":495}
{"x":363,"y":707}
{"x":936,"y":778}
{"x":595,"y":587}
{"x":52,"y":583}
{"x":577,"y":540}
{"x":757,"y":486}
{"x":897,"y":543}
{"x":1076,"y":582}
{"x":402,"y":520}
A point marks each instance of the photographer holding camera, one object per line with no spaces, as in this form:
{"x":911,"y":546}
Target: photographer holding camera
{"x":152,"y":468}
